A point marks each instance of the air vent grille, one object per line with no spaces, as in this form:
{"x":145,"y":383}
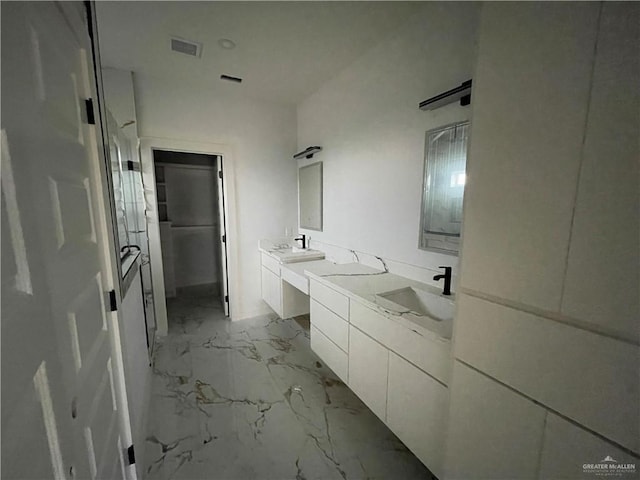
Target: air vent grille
{"x":186,"y":47}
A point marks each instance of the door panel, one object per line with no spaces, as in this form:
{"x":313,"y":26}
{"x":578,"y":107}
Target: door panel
{"x":224,"y":280}
{"x":368,"y":371}
{"x":417,"y":411}
{"x":62,"y":345}
{"x":34,"y":423}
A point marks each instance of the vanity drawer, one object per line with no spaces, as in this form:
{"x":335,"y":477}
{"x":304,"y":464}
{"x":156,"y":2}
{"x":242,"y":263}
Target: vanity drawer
{"x":336,"y":359}
{"x":299,"y":281}
{"x":433,"y":356}
{"x":334,"y":327}
{"x":334,"y":301}
{"x":271,"y":263}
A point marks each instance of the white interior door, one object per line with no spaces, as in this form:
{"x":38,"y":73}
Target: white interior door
{"x":224,"y":280}
{"x":64,"y":410}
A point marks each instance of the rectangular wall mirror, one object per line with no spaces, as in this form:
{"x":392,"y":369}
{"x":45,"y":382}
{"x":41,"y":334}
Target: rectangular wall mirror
{"x":443,"y":188}
{"x":310,"y":196}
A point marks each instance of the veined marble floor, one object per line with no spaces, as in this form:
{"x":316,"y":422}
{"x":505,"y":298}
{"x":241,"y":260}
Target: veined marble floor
{"x":250,"y":400}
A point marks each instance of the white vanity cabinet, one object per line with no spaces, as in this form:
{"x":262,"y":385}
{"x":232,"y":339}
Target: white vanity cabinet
{"x":383,"y":373}
{"x":399,"y":373}
{"x":417,"y":411}
{"x":368,"y":371}
{"x":278,"y":289}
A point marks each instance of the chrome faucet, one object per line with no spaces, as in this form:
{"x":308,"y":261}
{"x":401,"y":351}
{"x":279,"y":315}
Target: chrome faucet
{"x":447,"y":280}
{"x":303,"y":238}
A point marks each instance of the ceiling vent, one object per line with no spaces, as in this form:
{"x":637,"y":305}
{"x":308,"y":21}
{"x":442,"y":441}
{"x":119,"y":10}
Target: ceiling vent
{"x":186,"y":47}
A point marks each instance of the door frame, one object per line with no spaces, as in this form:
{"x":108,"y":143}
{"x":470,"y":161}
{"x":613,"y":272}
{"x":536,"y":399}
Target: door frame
{"x":106,"y":221}
{"x":147,"y":147}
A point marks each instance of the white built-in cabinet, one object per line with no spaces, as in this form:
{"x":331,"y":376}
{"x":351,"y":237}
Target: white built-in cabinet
{"x":575,"y":180}
{"x":546,"y":328}
{"x":567,"y":447}
{"x":496,"y":432}
{"x":379,"y":359}
{"x":603,"y":267}
{"x":493,"y":432}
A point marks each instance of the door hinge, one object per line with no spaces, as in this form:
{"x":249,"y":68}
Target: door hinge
{"x":224,"y":239}
{"x":131,"y":456}
{"x":220,"y":173}
{"x":91,"y":116}
{"x":226,"y":298}
{"x":113,"y":301}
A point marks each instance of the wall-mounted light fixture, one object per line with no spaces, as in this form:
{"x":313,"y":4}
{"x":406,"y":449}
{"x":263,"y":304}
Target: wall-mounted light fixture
{"x":229,"y":78}
{"x":308,"y":153}
{"x":462,"y":93}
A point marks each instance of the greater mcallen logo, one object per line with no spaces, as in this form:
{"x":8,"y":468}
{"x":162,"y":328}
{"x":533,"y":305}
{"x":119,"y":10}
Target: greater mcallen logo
{"x":608,"y":467}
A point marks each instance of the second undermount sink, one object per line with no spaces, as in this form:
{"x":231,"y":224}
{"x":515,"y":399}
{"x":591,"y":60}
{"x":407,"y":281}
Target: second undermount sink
{"x":421,"y":302}
{"x":295,"y":254}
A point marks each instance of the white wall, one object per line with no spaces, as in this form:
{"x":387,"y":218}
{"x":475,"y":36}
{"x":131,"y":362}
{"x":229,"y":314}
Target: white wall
{"x":262,"y":138}
{"x":373,"y":134}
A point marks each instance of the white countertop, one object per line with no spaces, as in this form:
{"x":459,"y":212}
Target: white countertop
{"x":362,"y":284}
{"x":300,"y":267}
{"x":285,"y":253}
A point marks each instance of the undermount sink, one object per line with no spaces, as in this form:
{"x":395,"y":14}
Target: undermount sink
{"x":295,"y":254}
{"x":421,"y":302}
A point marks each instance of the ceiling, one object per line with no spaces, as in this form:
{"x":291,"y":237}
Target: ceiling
{"x":284,"y":50}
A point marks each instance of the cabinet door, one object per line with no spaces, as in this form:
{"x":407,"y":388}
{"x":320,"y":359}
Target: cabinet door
{"x":567,"y":448}
{"x":330,"y":354}
{"x":368,"y":370}
{"x":493,"y":432}
{"x":533,"y":174}
{"x":603,"y":266}
{"x":333,"y":326}
{"x":417,"y":411}
{"x":271,"y":290}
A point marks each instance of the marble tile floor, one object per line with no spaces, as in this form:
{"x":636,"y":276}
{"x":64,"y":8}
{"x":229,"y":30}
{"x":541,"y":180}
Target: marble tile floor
{"x":250,"y":400}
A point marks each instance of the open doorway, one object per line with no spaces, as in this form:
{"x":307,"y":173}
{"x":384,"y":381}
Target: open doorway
{"x":192,"y":226}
